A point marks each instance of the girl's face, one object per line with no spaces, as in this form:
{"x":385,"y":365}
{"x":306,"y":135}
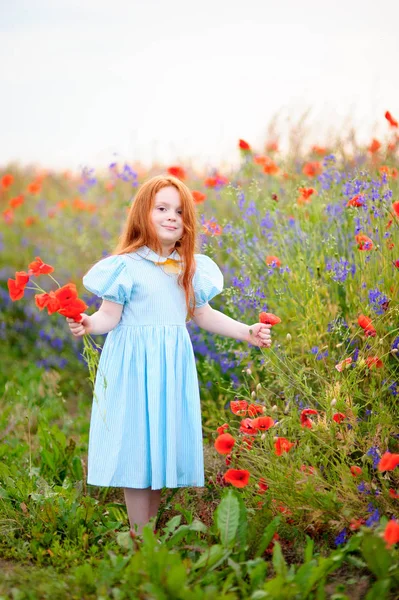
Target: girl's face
{"x":166,"y":217}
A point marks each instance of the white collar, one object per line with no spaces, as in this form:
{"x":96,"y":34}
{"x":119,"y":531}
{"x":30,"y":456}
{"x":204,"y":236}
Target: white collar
{"x":146,"y":252}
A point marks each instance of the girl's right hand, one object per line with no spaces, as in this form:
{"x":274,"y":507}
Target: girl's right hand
{"x":79,"y":328}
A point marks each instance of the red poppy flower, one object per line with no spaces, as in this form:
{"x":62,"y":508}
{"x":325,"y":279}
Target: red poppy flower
{"x":388,"y":462}
{"x":177,"y":171}
{"x":212,"y":228}
{"x":66,"y":294}
{"x":7,"y":180}
{"x":237,"y":477}
{"x":199,"y":197}
{"x":305,"y":194}
{"x":16,"y":291}
{"x":305,"y":421}
{"x":273,"y":261}
{"x":48,"y":301}
{"x":366,"y":324}
{"x":308,"y":470}
{"x":8,"y":216}
{"x":73,"y":309}
{"x":34,"y":188}
{"x":210,"y":182}
{"x":391,"y":533}
{"x":355,"y":524}
{"x":356,"y":471}
{"x":357,"y":201}
{"x":260,"y":160}
{"x":30,"y":221}
{"x":247,"y":441}
{"x":243,"y":145}
{"x":248,"y":426}
{"x":393,"y":494}
{"x":263,"y":423}
{"x":364,"y":242}
{"x":17,"y":201}
{"x":262,"y":485}
{"x":224,"y":443}
{"x":255,"y":409}
{"x":282,"y":445}
{"x":271,"y":146}
{"x":38,"y":267}
{"x":269,"y":318}
{"x":390,"y":119}
{"x":21,"y":278}
{"x":374,"y":146}
{"x":372,"y":361}
{"x":312,"y":169}
{"x":395,"y":206}
{"x":239,"y":407}
{"x":340,"y":366}
{"x":319,"y":150}
{"x":270,"y":167}
{"x":222,"y":428}
{"x":339,"y":417}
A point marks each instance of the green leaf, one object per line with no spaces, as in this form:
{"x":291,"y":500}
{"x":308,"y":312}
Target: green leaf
{"x":212,"y":557}
{"x":309,"y":549}
{"x":279,"y":564}
{"x":376,"y":555}
{"x":227,"y":518}
{"x":199,"y":526}
{"x":380,"y":590}
{"x":256,"y":570}
{"x":267,"y":536}
{"x":242,"y":529}
{"x":171,"y":525}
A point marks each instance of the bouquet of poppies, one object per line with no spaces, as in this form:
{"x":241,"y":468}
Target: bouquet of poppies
{"x":64,"y":301}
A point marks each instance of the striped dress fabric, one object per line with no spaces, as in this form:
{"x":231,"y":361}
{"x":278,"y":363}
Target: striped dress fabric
{"x":145,"y":427}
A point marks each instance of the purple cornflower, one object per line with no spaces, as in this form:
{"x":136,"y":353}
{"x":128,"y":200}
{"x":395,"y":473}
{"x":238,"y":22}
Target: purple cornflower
{"x":341,"y":270}
{"x":374,"y":453}
{"x":362,"y":488}
{"x":395,"y":344}
{"x":341,"y":537}
{"x":378,"y":301}
{"x":373,"y":518}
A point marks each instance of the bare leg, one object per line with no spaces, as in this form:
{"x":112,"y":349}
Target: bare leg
{"x":138,"y":507}
{"x":155,"y":499}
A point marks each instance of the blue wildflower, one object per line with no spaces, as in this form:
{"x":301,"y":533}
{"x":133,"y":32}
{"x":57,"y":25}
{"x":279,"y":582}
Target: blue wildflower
{"x":341,"y":537}
{"x":374,"y":453}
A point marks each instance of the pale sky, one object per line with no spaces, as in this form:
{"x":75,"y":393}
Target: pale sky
{"x":88,"y":82}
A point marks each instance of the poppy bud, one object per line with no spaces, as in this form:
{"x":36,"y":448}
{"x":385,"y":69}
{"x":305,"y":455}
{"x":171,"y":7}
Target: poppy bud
{"x":253,"y":395}
{"x":259,"y":386}
{"x":248,"y":371}
{"x":288,"y":337}
{"x":333,"y":402}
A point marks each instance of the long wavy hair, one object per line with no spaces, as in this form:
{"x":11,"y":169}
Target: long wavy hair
{"x":139,"y":231}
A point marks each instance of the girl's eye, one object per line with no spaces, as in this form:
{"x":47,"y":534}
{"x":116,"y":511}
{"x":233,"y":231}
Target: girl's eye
{"x":161,"y":208}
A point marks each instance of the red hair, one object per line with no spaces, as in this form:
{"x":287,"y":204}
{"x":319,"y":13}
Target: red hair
{"x":139,"y":231}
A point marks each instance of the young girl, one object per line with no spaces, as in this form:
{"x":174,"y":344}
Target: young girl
{"x":145,"y":429}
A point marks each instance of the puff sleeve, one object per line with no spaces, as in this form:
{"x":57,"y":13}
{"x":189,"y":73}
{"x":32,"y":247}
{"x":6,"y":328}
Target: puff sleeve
{"x":109,"y":279}
{"x":207,"y":281}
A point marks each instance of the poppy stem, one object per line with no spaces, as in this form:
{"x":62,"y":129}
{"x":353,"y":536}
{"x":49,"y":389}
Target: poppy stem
{"x":55,"y":281}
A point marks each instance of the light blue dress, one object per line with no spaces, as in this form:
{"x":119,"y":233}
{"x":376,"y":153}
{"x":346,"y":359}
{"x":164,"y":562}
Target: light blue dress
{"x":145,"y":428}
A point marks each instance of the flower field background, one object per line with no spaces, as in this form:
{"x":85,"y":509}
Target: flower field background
{"x":301,"y":440}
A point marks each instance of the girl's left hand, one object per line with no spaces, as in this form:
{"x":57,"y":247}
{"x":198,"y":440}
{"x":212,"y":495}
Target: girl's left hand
{"x":259,"y":335}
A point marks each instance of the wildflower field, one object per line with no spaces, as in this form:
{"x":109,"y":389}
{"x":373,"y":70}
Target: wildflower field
{"x":301,"y":440}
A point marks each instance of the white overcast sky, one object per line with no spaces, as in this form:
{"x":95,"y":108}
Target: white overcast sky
{"x":86,"y":82}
